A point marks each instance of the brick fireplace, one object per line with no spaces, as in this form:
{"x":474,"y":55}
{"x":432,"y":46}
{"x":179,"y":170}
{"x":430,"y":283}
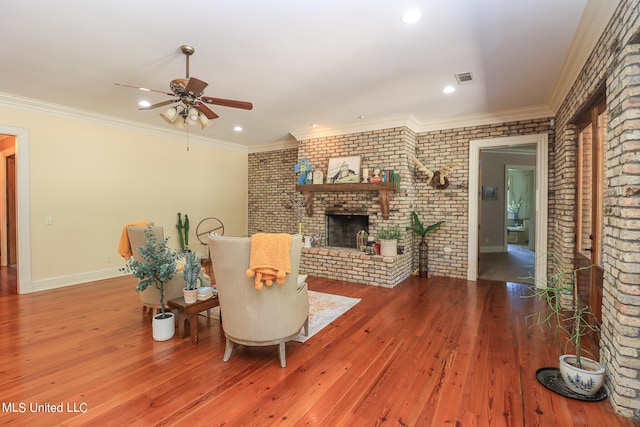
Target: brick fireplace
{"x":386,"y":149}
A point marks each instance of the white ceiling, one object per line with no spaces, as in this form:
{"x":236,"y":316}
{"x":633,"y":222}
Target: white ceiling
{"x":299,"y":62}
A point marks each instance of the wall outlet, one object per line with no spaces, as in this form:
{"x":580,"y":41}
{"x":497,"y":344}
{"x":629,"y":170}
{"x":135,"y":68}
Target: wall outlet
{"x":48,"y":220}
{"x":447,"y":249}
{"x":108,"y":258}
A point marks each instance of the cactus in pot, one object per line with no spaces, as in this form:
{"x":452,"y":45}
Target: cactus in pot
{"x":191,"y":275}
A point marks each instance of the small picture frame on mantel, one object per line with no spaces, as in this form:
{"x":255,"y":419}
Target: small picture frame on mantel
{"x":343,"y":170}
{"x":318,"y":177}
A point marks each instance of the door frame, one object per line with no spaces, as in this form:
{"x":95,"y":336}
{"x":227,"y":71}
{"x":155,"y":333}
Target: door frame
{"x":541,"y":141}
{"x":23,"y":206}
{"x":4,"y":207}
{"x":505,"y":242}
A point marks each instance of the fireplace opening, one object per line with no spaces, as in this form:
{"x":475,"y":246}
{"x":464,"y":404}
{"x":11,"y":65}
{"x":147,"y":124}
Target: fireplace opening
{"x":342,"y":229}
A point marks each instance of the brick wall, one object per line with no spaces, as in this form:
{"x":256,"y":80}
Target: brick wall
{"x":614,"y":61}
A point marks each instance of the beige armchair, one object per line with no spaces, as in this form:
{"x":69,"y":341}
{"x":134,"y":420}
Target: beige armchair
{"x":273,"y":315}
{"x":151,"y":296}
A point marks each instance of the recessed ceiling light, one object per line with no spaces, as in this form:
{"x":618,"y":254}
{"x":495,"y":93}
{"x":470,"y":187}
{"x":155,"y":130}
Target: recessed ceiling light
{"x":449,"y":89}
{"x":144,"y":103}
{"x":362,"y":117}
{"x":313,"y":125}
{"x":238,"y":128}
{"x":411,"y":16}
{"x":144,"y":89}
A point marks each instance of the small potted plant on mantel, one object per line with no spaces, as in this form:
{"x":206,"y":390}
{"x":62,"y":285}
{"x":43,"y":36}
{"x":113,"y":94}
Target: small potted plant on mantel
{"x":158,"y":267}
{"x":582,"y":375}
{"x":191,"y":273}
{"x":389,"y":237}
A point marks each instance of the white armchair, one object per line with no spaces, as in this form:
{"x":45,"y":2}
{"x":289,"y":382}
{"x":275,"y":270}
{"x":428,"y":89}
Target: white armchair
{"x":273,"y":315}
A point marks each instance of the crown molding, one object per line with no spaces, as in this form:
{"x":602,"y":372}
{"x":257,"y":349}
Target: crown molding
{"x":595,"y":18}
{"x":62,"y":111}
{"x":512,"y":115}
{"x":283,"y":144}
{"x":409,"y":121}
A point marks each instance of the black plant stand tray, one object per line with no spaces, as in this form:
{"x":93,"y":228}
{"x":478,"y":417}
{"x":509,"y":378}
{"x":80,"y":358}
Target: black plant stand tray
{"x":551,"y":379}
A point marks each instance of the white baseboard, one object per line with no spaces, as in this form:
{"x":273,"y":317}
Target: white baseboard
{"x":74,"y":279}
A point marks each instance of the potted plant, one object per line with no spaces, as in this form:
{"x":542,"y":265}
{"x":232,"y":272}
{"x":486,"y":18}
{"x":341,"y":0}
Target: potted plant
{"x":191,"y":273}
{"x":423,"y":248}
{"x":158,"y":267}
{"x":389,"y":237}
{"x":581,"y":374}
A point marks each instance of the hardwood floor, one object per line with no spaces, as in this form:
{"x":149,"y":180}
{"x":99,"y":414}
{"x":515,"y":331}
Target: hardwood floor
{"x":431,"y":352}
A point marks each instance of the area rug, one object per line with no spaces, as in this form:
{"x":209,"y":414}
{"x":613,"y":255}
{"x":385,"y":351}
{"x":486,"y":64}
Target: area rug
{"x":323,"y":309}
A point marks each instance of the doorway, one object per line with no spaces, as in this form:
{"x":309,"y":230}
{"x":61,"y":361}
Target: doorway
{"x":8,"y":216}
{"x":591,"y":128}
{"x":538,"y":142}
{"x":23,"y":206}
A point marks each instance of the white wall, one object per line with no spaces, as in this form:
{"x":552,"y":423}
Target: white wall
{"x":91,"y":179}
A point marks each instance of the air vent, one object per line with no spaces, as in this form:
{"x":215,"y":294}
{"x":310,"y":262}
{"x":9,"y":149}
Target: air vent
{"x":464,"y":78}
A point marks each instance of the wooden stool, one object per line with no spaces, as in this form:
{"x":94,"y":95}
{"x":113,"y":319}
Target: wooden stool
{"x":189,"y":313}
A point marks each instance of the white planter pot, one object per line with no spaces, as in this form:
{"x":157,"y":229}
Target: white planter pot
{"x":586,"y":381}
{"x":190,"y":296}
{"x":163,"y":329}
{"x":388,"y":247}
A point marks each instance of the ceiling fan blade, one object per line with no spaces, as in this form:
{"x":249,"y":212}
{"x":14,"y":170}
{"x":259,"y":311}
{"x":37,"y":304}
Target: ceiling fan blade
{"x":143,"y":88}
{"x":227,"y":103}
{"x":206,"y":111}
{"x":159,"y":104}
{"x":195,"y":86}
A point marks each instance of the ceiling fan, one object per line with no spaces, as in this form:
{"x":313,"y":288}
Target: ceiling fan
{"x":188,"y":95}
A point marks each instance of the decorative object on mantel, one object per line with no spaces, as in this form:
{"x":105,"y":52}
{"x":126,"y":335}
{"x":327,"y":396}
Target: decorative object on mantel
{"x":304,"y":169}
{"x":318,"y":177}
{"x":423,"y":248}
{"x":365,"y":175}
{"x":343,"y":169}
{"x":376,"y":175}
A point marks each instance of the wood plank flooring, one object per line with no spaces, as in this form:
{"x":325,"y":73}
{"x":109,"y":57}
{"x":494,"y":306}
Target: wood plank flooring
{"x":431,"y":352}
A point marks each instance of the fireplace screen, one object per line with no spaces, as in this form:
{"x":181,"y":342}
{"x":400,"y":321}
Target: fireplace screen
{"x":342,"y":230}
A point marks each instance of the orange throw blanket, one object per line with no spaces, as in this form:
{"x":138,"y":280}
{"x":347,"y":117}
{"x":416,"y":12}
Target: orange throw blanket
{"x":269,"y":258}
{"x":124,"y":248}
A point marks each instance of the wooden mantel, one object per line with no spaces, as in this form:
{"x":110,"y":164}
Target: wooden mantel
{"x":383,"y":189}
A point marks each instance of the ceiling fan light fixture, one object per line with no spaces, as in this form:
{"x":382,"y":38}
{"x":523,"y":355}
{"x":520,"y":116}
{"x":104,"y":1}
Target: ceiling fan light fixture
{"x":170,"y":115}
{"x":180,"y":123}
{"x":204,"y":121}
{"x":192,"y":117}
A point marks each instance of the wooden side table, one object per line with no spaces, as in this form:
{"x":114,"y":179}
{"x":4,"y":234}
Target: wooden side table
{"x":189,"y":313}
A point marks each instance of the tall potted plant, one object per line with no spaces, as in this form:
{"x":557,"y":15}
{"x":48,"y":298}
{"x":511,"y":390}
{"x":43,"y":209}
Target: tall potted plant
{"x":389,"y":237}
{"x":423,"y":248}
{"x":157,"y":268}
{"x":191,"y":273}
{"x":581,"y":374}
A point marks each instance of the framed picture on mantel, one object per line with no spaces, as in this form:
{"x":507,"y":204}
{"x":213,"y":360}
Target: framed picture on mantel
{"x":343,"y":169}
